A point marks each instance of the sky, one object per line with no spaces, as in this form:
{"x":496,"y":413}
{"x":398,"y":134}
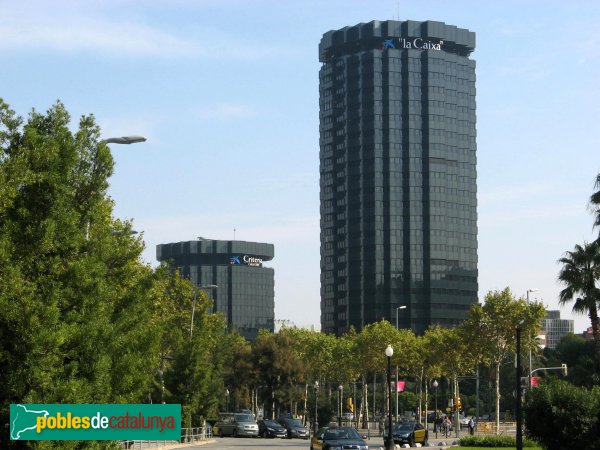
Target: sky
{"x":226,"y":93}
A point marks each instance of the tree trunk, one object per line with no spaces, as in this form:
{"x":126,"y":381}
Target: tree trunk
{"x":497,"y":398}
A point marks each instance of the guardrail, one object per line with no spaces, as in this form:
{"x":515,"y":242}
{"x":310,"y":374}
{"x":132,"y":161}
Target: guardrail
{"x":188,"y":435}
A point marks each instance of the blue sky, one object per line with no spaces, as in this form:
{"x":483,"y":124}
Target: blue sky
{"x":226,"y":91}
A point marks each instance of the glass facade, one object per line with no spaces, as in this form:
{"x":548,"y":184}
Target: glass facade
{"x":397,"y":175}
{"x":246,"y":290}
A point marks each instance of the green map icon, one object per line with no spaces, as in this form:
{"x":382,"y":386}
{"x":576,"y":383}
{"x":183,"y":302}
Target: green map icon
{"x":23,"y":419}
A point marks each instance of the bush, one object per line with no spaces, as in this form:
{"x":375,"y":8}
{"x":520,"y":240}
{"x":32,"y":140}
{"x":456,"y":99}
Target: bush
{"x":494,"y":441}
{"x":561,"y":416}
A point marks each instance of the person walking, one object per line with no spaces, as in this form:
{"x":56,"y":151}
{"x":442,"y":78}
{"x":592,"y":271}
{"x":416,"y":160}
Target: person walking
{"x":471,"y":426}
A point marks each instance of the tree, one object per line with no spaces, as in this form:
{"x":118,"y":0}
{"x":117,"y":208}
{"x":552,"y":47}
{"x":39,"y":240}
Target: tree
{"x":73,"y":295}
{"x":561,"y":416}
{"x":492,"y":326}
{"x":580,"y":274}
{"x":595,"y":202}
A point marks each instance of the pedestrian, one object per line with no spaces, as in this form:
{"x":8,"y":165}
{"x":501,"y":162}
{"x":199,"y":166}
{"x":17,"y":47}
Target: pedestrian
{"x":381,"y":425}
{"x":471,"y":426}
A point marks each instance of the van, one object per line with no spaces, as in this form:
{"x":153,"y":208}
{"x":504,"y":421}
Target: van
{"x":237,"y":424}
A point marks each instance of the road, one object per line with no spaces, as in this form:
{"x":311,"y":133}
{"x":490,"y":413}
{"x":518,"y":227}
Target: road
{"x":253,"y":444}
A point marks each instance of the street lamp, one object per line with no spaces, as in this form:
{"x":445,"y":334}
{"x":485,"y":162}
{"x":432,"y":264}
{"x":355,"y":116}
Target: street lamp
{"x":316,"y":426}
{"x":205,"y":286}
{"x":435,"y":420}
{"x":399,"y":307}
{"x":340,"y":390}
{"x":161,"y":373}
{"x":530,"y":366}
{"x":389,"y":351}
{"x":518,"y":387}
{"x":124,"y":140}
{"x":226,"y":400}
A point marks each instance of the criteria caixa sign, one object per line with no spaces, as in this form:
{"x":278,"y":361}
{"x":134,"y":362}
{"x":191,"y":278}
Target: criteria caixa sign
{"x":58,"y":422}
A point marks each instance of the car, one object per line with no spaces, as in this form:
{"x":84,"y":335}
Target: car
{"x":271,"y":429}
{"x":237,"y":424}
{"x":295,"y":428}
{"x":464,"y":421}
{"x":408,"y":433}
{"x":330,"y":438}
{"x":348,"y":416}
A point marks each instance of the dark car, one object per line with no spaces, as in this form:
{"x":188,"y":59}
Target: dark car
{"x":271,"y":429}
{"x":327,"y":438}
{"x":294,"y":428}
{"x":408,"y":433}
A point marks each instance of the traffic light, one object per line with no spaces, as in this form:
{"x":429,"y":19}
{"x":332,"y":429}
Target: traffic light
{"x":350,"y":405}
{"x":457,"y":403}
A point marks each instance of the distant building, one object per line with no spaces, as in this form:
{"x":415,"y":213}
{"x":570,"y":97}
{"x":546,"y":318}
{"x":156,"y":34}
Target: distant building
{"x":556,"y":328}
{"x":398,"y":175}
{"x":245,"y":292}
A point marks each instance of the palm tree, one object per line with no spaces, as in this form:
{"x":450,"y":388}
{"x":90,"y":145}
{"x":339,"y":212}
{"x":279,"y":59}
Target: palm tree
{"x":595,"y":202}
{"x":580,"y":273}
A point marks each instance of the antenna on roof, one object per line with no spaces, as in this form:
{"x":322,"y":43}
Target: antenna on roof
{"x":234,"y":234}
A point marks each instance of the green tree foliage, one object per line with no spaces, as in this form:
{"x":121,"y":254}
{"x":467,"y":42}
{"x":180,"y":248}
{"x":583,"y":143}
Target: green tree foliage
{"x":491,"y":328}
{"x":580,"y":274}
{"x":73,"y":295}
{"x":595,"y":202}
{"x":278,"y":368}
{"x":561,"y":416}
{"x":580,"y":357}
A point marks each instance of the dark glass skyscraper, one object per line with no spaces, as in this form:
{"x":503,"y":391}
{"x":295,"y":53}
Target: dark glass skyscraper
{"x":397,"y":175}
{"x":245,"y":292}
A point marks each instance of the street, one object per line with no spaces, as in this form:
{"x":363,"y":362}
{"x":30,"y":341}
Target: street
{"x":249,"y":443}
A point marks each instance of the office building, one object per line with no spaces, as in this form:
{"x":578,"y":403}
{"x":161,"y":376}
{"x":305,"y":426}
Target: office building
{"x":397,"y":175}
{"x":245,"y":292}
{"x":556,"y":328}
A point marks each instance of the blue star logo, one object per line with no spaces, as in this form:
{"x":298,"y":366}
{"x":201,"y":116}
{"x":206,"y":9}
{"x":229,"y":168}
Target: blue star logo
{"x":388,"y":43}
{"x":234,"y":260}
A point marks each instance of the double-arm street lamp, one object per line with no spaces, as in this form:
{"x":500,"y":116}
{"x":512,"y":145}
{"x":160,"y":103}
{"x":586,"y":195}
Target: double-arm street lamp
{"x":530,"y":365}
{"x":389,"y":351}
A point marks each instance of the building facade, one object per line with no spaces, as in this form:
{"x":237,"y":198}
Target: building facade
{"x":556,"y":328}
{"x":245,"y":289}
{"x":397,"y":175}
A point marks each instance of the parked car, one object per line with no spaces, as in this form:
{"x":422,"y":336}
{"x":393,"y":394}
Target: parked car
{"x":271,"y":429}
{"x":295,"y":428}
{"x":464,"y":421}
{"x":237,"y":424}
{"x":408,"y":433}
{"x":327,"y":438}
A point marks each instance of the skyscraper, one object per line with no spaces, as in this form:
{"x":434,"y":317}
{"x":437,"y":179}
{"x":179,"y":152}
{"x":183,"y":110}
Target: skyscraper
{"x":397,"y":175}
{"x":245,"y":290}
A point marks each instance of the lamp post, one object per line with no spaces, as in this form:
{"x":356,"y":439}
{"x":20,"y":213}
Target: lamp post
{"x":389,"y":351}
{"x":340,"y":390}
{"x":226,"y":400}
{"x":316,"y":425}
{"x":530,"y":366}
{"x":399,"y":307}
{"x":206,"y":286}
{"x":518,"y":387}
{"x":435,"y":420}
